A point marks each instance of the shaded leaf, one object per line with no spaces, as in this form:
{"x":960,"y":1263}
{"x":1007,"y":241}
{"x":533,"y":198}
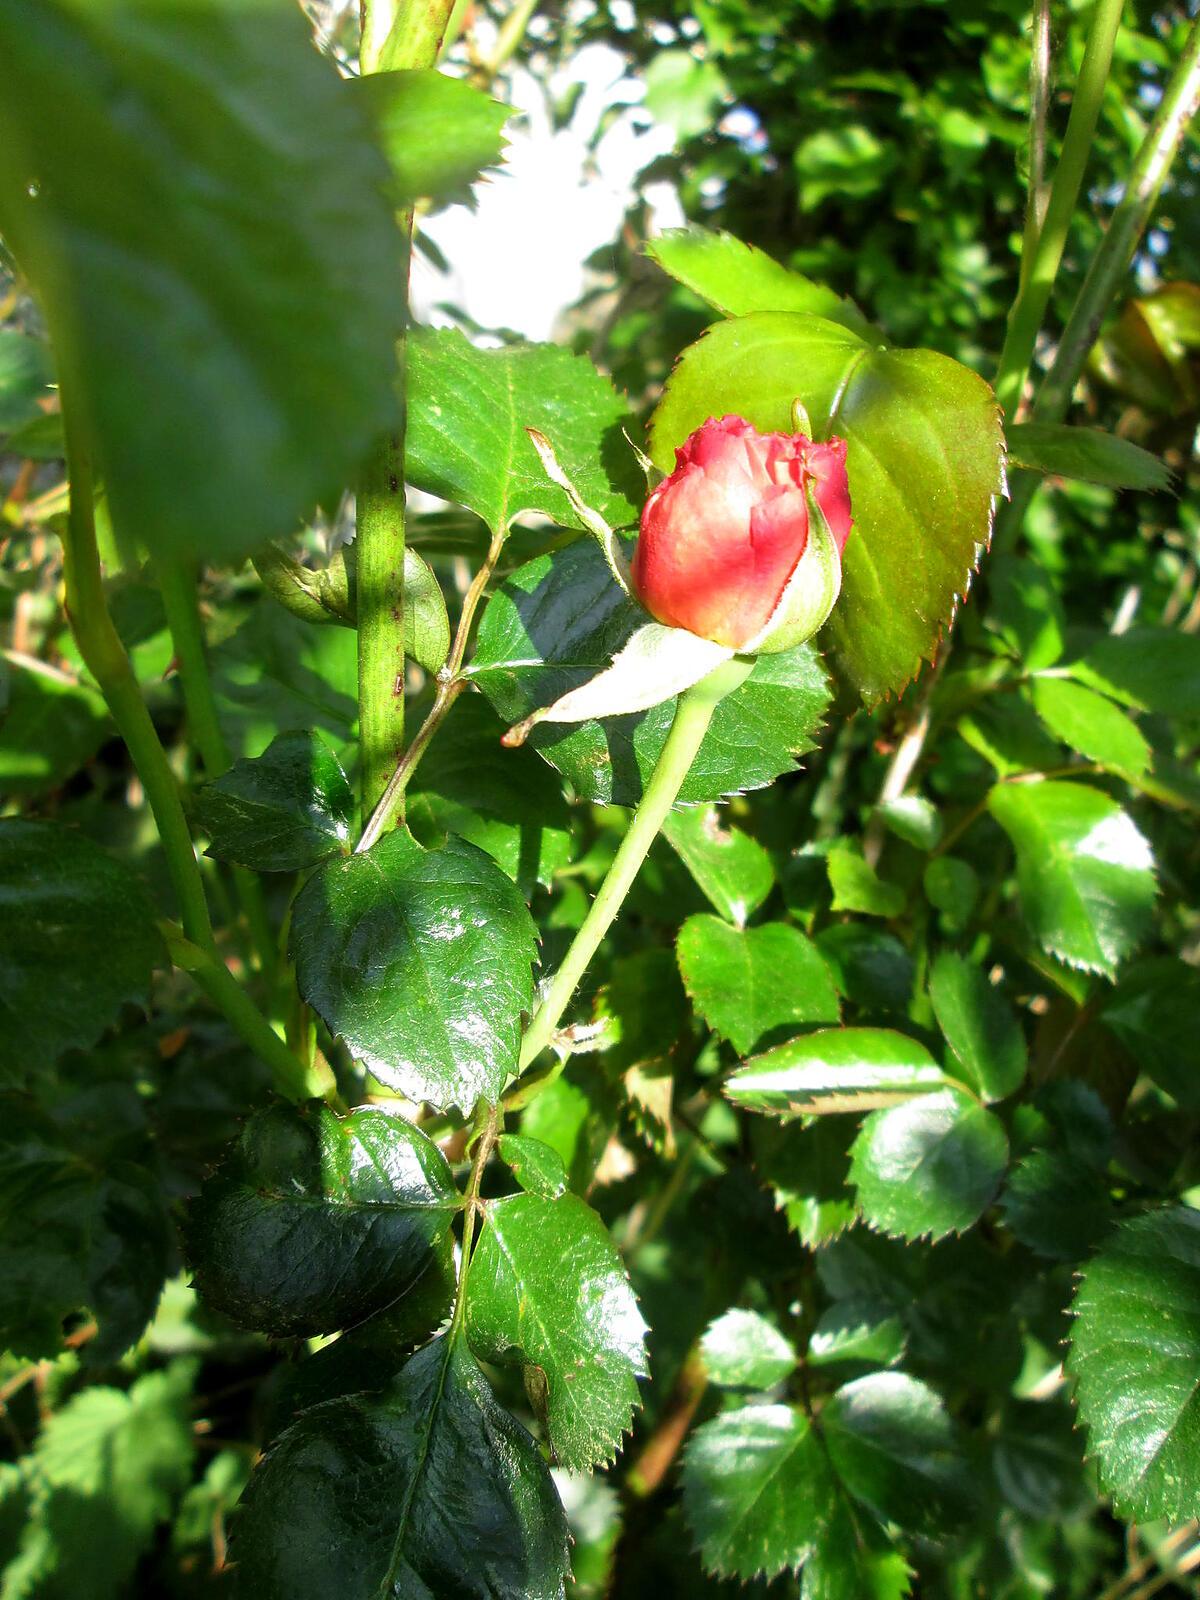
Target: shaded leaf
{"x":233,"y":204}
{"x":1088,"y":453}
{"x":428,"y":1488}
{"x":50,"y":727}
{"x":560,"y":619}
{"x":1084,"y":872}
{"x":837,"y":1069}
{"x":979,"y":1026}
{"x":912,"y":818}
{"x":807,"y":1168}
{"x":924,"y":463}
{"x":1155,"y":1013}
{"x":77,"y":940}
{"x":420,"y":960}
{"x":466,"y":439}
{"x":1056,"y":1204}
{"x":1152,"y":669}
{"x":733,"y":870}
{"x":857,"y":1330}
{"x":929,"y":1167}
{"x":315,"y":1221}
{"x":1135,"y":1359}
{"x":286,"y":809}
{"x":548,"y":1290}
{"x":746,"y":982}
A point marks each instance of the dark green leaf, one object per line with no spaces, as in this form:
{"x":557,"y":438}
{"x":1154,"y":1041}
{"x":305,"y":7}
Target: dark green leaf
{"x":1092,"y":725}
{"x":979,"y":1026}
{"x":807,"y":1168}
{"x":427,"y":1489}
{"x":25,"y":373}
{"x":952,"y":887}
{"x":50,"y":726}
{"x":924,"y":464}
{"x":1155,"y":1013}
{"x":737,"y":278}
{"x":77,"y":940}
{"x":420,"y":960}
{"x":1007,"y":732}
{"x":857,"y":1330}
{"x":315,"y":1221}
{"x":747,"y":982}
{"x":466,"y":441}
{"x":929,"y":1167}
{"x":1152,"y":669}
{"x":870,"y":967}
{"x":548,"y":1290}
{"x":426,"y":622}
{"x":742,"y":1350}
{"x":1084,"y":872}
{"x":75,"y":1236}
{"x":1056,"y":1204}
{"x":837,"y":1069}
{"x":1088,"y":453}
{"x":576,"y":1116}
{"x":1135,"y":1358}
{"x":536,"y":1166}
{"x":1026,"y":611}
{"x":504,"y":801}
{"x":438,"y":133}
{"x":892,"y":1444}
{"x":733,"y":870}
{"x":104,"y":1473}
{"x":206,"y":175}
{"x":286,"y":809}
{"x":561,"y":618}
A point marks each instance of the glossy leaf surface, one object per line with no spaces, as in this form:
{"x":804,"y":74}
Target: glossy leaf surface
{"x":315,"y":1220}
{"x":536,"y":1166}
{"x":547,"y":1289}
{"x":1091,"y":724}
{"x":749,"y":982}
{"x":560,"y":619}
{"x":979,"y":1025}
{"x":742,"y":1350}
{"x":734,"y":871}
{"x":1135,"y":1359}
{"x":77,"y":939}
{"x":225,"y":287}
{"x":466,"y":441}
{"x":837,"y":1069}
{"x":1084,"y":872}
{"x":420,"y":960}
{"x":286,"y":809}
{"x":929,"y":1167}
{"x":924,"y":464}
{"x":429,"y":1488}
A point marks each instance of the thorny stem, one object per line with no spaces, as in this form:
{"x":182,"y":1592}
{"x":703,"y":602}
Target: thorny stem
{"x":1033,"y":295}
{"x":692,"y":717}
{"x":450,"y":685}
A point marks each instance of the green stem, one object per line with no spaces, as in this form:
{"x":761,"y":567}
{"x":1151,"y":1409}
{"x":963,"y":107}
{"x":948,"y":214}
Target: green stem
{"x":1039,"y":110}
{"x":107,"y":661}
{"x":292,"y":1078}
{"x":692,"y":717}
{"x":1037,"y":281}
{"x":395,"y":34}
{"x":483,"y":1152}
{"x":178,"y":581}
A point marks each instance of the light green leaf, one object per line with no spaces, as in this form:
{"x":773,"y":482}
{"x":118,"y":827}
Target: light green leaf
{"x":747,"y":982}
{"x":420,"y":960}
{"x":505,"y":801}
{"x":25,"y":374}
{"x":105,"y":1471}
{"x":426,"y":625}
{"x":1155,"y":1013}
{"x":979,"y":1026}
{"x":1135,"y":1359}
{"x":742,"y":1350}
{"x":1084,"y":873}
{"x":929,"y":1167}
{"x":857,"y":1330}
{"x":912,"y":818}
{"x":548,"y":1290}
{"x":314,"y":1221}
{"x":438,"y":133}
{"x":77,"y":941}
{"x":737,"y":278}
{"x":353,"y":1499}
{"x":683,"y":92}
{"x":733,"y":870}
{"x":1026,"y":610}
{"x":234,"y":207}
{"x":1092,"y":725}
{"x":466,"y":439}
{"x":1087,"y":453}
{"x":924,"y":464}
{"x":537,"y":1167}
{"x":849,"y":162}
{"x":560,"y":619}
{"x":952,"y":888}
{"x":1151,"y":669}
{"x":286,"y":809}
{"x":858,"y":887}
{"x":837,"y":1069}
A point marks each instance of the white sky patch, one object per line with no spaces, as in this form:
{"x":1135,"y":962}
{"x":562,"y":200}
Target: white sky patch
{"x":517,"y":261}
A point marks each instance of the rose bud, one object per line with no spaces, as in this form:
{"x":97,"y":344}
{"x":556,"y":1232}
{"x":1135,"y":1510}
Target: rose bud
{"x":742,"y":543}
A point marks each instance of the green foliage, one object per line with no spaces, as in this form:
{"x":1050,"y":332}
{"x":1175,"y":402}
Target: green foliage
{"x":288,"y":808}
{"x":438,"y":133}
{"x":420,"y":960}
{"x":316,"y":1221}
{"x":979,"y":1026}
{"x":846,"y":1069}
{"x":747,"y":983}
{"x":1085,"y":453}
{"x":742,"y":1350}
{"x":272,"y":287}
{"x":734,"y":871}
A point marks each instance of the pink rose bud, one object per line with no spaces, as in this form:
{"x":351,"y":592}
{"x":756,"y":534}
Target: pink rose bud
{"x":723,"y":537}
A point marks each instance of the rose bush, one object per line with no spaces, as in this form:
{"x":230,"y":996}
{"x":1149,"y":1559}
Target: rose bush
{"x":724,"y":539}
